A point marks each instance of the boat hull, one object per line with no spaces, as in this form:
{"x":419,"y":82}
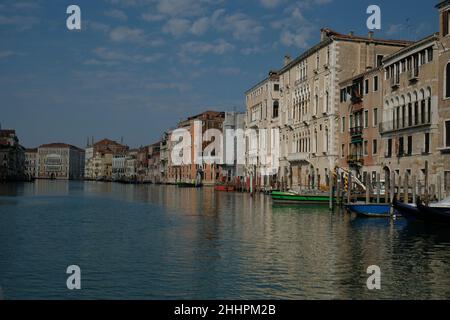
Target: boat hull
{"x":370,"y":210}
{"x":224,"y":188}
{"x":290,"y":198}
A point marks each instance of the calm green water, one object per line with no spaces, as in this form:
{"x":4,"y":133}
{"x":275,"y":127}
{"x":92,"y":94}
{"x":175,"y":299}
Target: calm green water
{"x":161,"y":242}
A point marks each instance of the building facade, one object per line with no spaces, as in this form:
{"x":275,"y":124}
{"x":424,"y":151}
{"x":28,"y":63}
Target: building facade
{"x":31,"y":163}
{"x":12,"y":157}
{"x":60,"y":161}
{"x":360,"y":111}
{"x":309,"y":101}
{"x":409,"y":128}
{"x":188,"y":172}
{"x":262,"y":131}
{"x":444,"y":92}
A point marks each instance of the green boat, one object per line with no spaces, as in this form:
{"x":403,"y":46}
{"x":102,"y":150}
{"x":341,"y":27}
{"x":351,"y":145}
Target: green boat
{"x":294,"y":198}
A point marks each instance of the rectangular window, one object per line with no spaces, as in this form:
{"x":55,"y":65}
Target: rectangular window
{"x":430,"y":54}
{"x":375,"y":83}
{"x":389,"y":148}
{"x":343,"y":151}
{"x":379,"y":60}
{"x":351,"y":122}
{"x":401,"y":146}
{"x":447,"y":181}
{"x":375,"y":146}
{"x":366,"y":86}
{"x":366,"y":147}
{"x":427,"y":143}
{"x":447,"y":133}
{"x":276,"y":87}
{"x":366,"y":118}
{"x":375,"y":117}
{"x":410,"y":145}
{"x":343,"y":125}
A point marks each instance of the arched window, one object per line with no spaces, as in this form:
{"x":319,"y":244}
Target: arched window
{"x":447,"y":81}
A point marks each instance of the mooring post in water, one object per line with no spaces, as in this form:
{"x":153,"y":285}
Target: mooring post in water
{"x":331,"y":190}
{"x":349,"y":188}
{"x":392,"y":186}
{"x":439,"y":186}
{"x":338,"y":188}
{"x":399,"y":188}
{"x":378,"y":187}
{"x":368,"y":190}
{"x":414,"y":189}
{"x":405,"y":189}
{"x":427,"y":201}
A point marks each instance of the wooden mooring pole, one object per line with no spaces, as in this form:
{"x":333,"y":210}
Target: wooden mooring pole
{"x":378,"y":187}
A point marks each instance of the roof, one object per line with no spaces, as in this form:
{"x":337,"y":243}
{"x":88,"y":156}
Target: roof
{"x":107,"y":142}
{"x":412,"y":46}
{"x":59,"y":145}
{"x":331,"y":35}
{"x":7,"y":132}
{"x":442,"y":4}
{"x":362,"y":75}
{"x":31,"y":150}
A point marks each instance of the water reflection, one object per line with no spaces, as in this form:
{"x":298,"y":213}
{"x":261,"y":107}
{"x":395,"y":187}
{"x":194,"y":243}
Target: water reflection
{"x":164,"y":242}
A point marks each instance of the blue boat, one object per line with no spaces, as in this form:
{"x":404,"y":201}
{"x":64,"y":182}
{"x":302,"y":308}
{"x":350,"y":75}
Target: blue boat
{"x":374,"y":210}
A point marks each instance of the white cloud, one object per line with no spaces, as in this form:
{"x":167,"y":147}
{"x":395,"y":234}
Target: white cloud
{"x":110,"y":57}
{"x":177,"y":26}
{"x":200,"y":26}
{"x":6,"y":54}
{"x":116,"y":14}
{"x":218,"y":47}
{"x":270,"y":3}
{"x":152,"y":17}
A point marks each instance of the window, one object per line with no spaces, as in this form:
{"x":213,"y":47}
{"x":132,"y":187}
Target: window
{"x":445,"y":23}
{"x":343,"y":125}
{"x":447,"y":134}
{"x":410,"y":145}
{"x":276,"y":106}
{"x":375,"y":117}
{"x":343,"y":151}
{"x":375,"y":83}
{"x":447,"y":181}
{"x":430,"y":54}
{"x":375,"y":146}
{"x":366,"y":86}
{"x":366,"y":147}
{"x":276,"y":87}
{"x":389,"y":148}
{"x":447,"y":81}
{"x":366,"y":118}
{"x":427,"y":143}
{"x":401,"y":146}
{"x":379,"y":60}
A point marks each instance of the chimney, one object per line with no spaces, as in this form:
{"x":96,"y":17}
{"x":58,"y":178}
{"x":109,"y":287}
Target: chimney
{"x":287,"y":59}
{"x":351,"y":33}
{"x":323,"y":34}
{"x":370,"y":35}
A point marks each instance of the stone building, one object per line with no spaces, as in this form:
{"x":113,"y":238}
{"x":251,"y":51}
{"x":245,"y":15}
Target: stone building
{"x":360,"y":111}
{"x":60,"y":161}
{"x":409,"y":128}
{"x":189,"y":172}
{"x":12,"y":156}
{"x":444,"y":92}
{"x":309,"y":100}
{"x":31,"y":163}
{"x":229,"y":171}
{"x":262,"y":127}
{"x":154,"y":163}
{"x":164,"y":156}
{"x":99,"y":159}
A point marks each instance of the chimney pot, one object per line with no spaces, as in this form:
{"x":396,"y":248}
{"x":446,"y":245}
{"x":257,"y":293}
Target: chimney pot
{"x":371,"y":35}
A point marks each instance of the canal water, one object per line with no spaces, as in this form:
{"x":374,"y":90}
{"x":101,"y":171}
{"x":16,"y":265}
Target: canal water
{"x":164,"y":242}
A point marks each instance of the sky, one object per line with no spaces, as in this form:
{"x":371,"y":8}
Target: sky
{"x":137,"y":67}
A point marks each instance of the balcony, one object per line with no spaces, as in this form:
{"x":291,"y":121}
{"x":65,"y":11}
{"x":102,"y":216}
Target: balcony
{"x":413,"y":74}
{"x":395,"y":81}
{"x":298,"y":157}
{"x":355,"y":160}
{"x":405,"y":123}
{"x":356,"y":131}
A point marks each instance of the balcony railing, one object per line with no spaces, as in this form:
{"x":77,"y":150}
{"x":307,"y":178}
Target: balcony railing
{"x":395,"y":80}
{"x":405,"y":123}
{"x":413,"y":74}
{"x":355,"y":160}
{"x":356,"y":131}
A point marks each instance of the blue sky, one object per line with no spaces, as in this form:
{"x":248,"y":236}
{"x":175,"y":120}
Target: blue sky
{"x":138,"y":66}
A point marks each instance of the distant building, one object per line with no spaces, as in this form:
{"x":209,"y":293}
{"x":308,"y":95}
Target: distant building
{"x":164,"y":156}
{"x":154,"y":163}
{"x":31,"y":163}
{"x":229,"y":171}
{"x":60,"y":161}
{"x":131,"y":165}
{"x":99,"y":159}
{"x":189,"y":172}
{"x":12,"y":156}
{"x":118,"y":167}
